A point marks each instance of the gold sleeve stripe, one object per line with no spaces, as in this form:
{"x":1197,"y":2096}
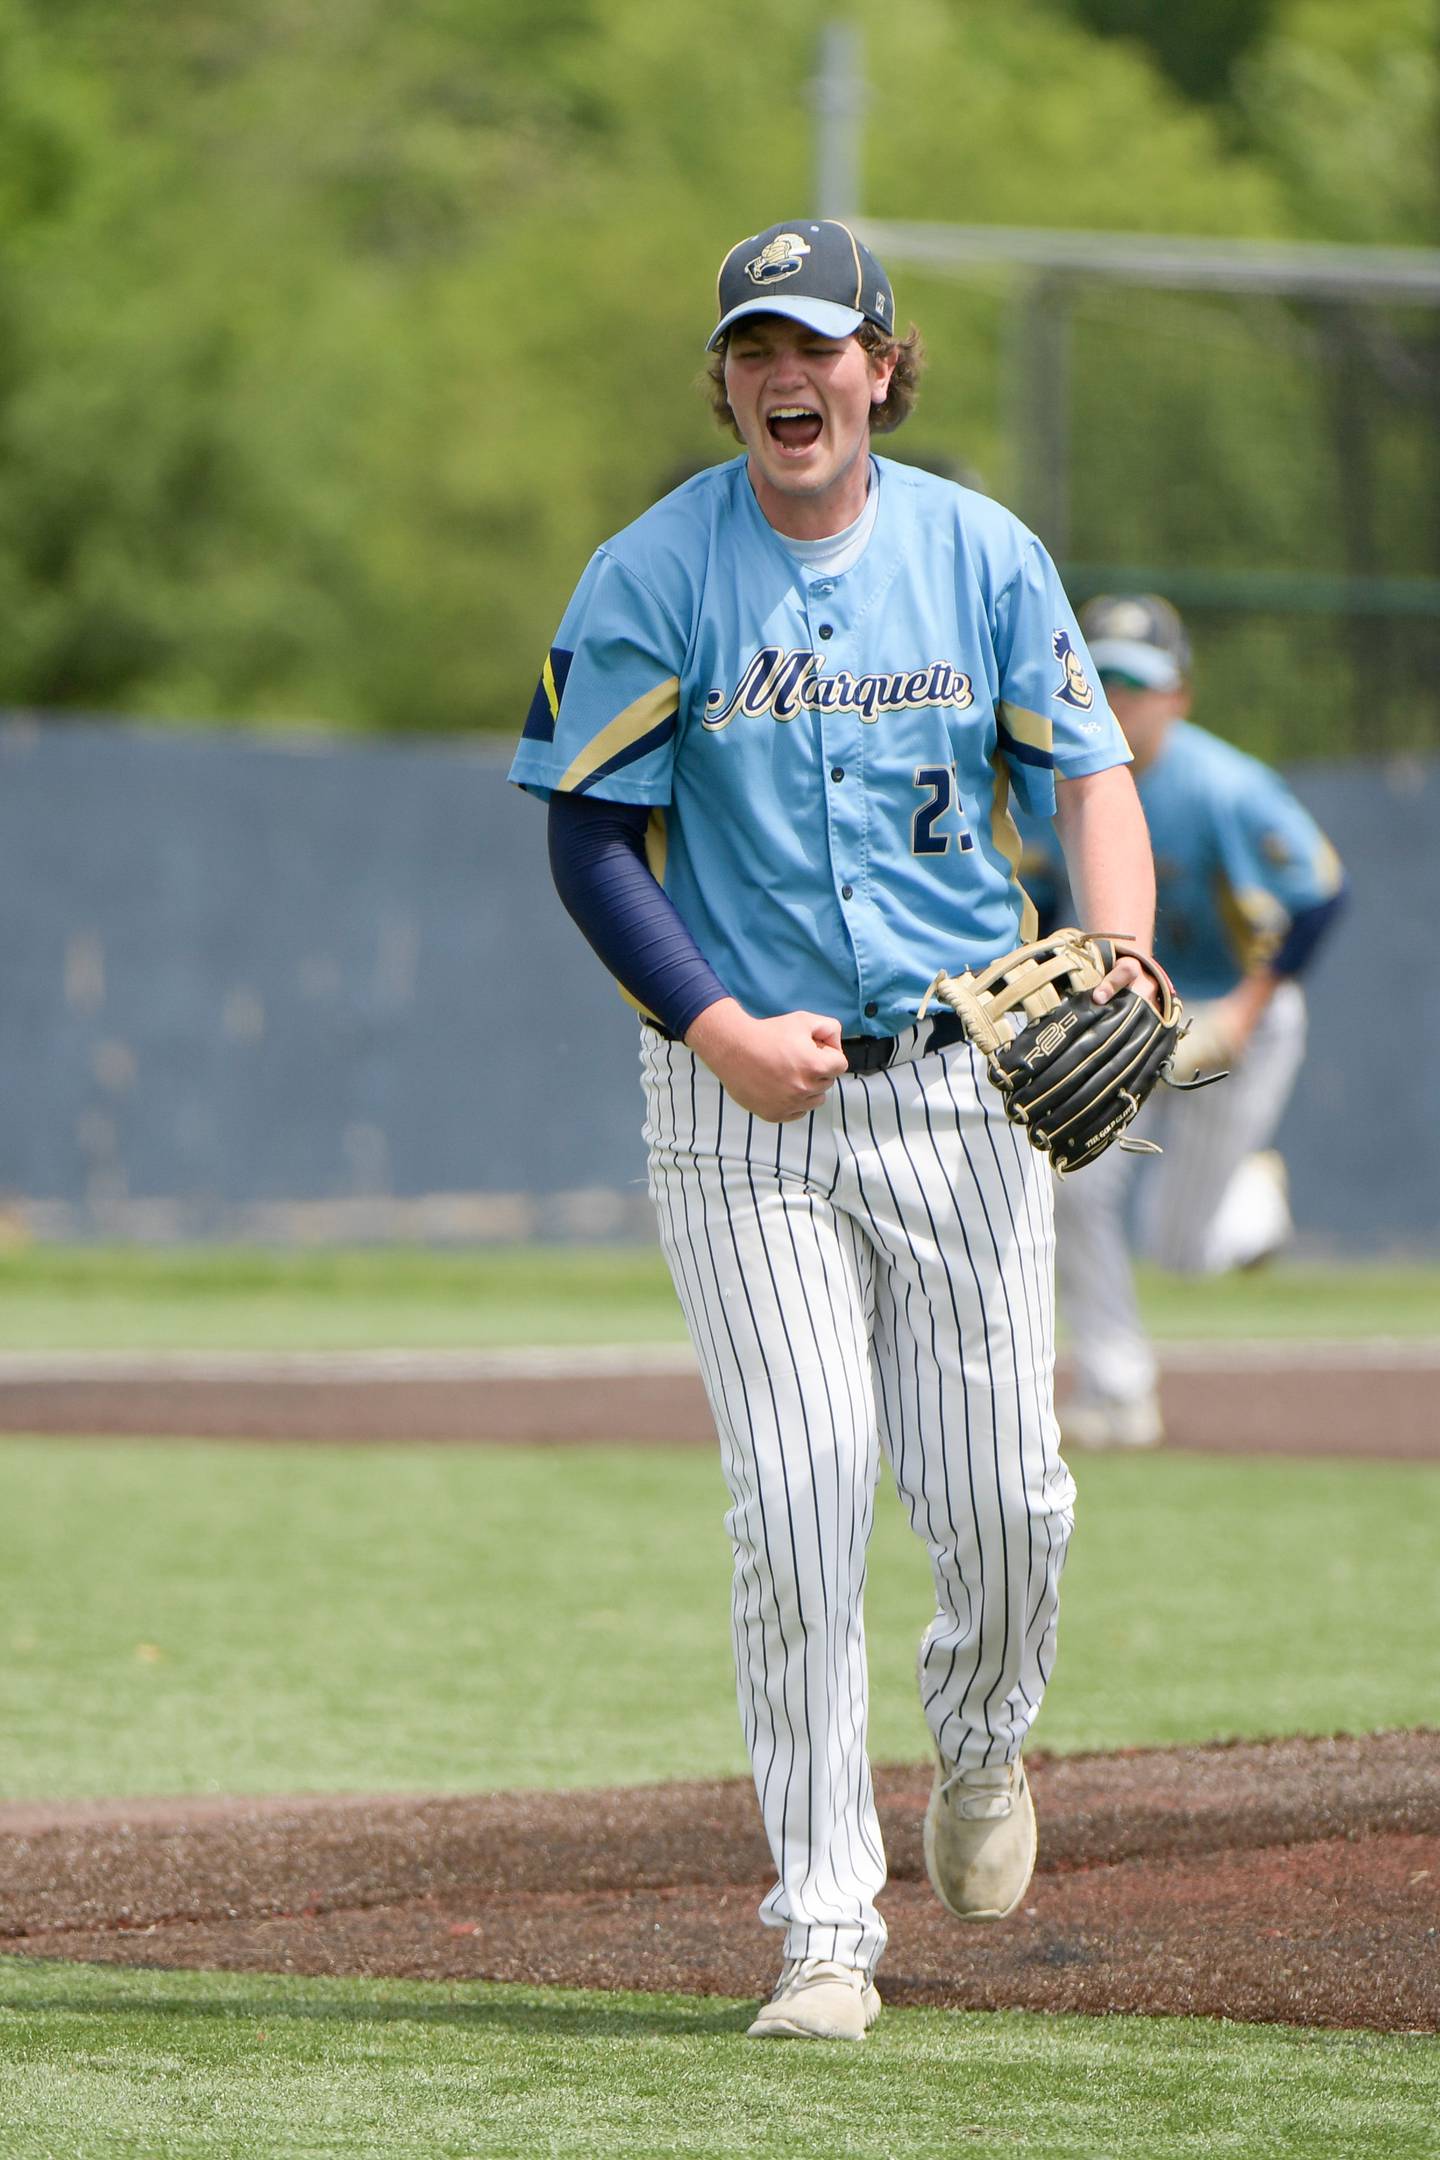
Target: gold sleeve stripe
{"x":547,"y":678}
{"x":626,"y":729}
{"x":657,"y":841}
{"x":1030,"y":728}
{"x":1253,"y":921}
{"x":1006,"y":835}
{"x":1329,"y":867}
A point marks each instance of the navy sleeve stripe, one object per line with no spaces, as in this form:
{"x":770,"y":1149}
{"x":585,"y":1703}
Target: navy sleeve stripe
{"x":1025,"y":753}
{"x":540,"y":720}
{"x":631,"y":752}
{"x":545,"y":705}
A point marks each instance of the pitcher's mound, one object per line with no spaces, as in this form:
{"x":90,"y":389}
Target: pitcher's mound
{"x":1297,"y":1881}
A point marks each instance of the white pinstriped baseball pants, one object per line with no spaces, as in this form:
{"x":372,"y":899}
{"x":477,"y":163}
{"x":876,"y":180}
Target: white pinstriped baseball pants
{"x":878,"y":1274}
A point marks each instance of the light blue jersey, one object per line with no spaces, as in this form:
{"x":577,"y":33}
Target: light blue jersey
{"x":831,"y":760}
{"x":1237,"y":858}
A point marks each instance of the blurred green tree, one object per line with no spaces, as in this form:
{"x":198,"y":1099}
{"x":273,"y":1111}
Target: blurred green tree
{"x":1197,"y":45}
{"x":332,"y":340}
{"x":1342,"y":105}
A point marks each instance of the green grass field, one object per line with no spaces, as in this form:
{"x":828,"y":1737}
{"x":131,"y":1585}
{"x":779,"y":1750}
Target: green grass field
{"x":128,"y":1298}
{"x":177,"y":1617}
{"x":190,"y":1617}
{"x":109,"y":2065}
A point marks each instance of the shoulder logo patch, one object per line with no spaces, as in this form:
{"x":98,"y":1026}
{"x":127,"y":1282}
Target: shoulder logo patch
{"x":780,"y":258}
{"x":1074,"y":687}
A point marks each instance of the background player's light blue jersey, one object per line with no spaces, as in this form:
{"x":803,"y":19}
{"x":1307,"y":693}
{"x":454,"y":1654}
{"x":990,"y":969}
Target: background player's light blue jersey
{"x":1236,"y":858}
{"x":699,"y":669}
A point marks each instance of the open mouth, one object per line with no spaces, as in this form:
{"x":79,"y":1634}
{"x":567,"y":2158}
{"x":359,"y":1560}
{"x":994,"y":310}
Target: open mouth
{"x":794,"y":427}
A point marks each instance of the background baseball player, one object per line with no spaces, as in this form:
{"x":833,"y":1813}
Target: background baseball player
{"x":1248,"y":886}
{"x":779,"y":731}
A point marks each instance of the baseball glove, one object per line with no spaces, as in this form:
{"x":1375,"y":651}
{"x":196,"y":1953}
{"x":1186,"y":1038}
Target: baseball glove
{"x":1072,"y":1072}
{"x":1204,"y":1046}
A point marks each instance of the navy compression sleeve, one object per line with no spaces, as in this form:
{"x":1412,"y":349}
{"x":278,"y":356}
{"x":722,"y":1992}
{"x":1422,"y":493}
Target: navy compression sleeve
{"x":597,"y":859}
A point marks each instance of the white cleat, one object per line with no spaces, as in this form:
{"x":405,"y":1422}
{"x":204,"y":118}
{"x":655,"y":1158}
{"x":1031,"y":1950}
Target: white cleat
{"x":1255,"y":1215}
{"x":1113,"y":1424}
{"x":980,"y":1840}
{"x":815,"y":2000}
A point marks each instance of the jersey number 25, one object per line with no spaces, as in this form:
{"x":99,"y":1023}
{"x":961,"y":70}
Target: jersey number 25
{"x":938,"y":782}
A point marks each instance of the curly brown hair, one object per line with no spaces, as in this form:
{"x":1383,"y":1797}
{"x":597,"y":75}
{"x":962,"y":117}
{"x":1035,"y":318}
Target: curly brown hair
{"x":884,"y":419}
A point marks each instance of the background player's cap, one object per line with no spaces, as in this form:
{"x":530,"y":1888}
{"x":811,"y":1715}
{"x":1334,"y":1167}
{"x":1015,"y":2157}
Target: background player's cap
{"x":1136,"y":638}
{"x":818,"y":274}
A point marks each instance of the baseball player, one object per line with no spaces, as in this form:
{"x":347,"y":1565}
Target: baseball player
{"x":1248,"y":886}
{"x":779,"y":732}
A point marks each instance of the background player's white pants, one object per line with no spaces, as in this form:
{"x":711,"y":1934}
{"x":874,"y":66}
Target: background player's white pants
{"x":879,"y":1274}
{"x":1190,"y":1215}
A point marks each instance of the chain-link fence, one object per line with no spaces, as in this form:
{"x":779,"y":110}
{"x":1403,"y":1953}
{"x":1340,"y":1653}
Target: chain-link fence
{"x":1254,"y":432}
{"x":1274,"y":465}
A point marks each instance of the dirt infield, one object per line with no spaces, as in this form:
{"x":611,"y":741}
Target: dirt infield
{"x":1297,"y":1882}
{"x":1376,"y":1400}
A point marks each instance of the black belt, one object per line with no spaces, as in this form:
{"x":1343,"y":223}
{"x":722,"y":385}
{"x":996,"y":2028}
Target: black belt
{"x":872,"y":1053}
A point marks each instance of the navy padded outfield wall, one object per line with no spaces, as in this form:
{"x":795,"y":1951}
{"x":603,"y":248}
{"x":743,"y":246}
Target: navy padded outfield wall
{"x":254,"y":986}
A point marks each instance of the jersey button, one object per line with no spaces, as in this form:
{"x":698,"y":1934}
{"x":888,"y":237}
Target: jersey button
{"x":847,"y":892}
{"x":827,"y":630}
{"x":837,"y":772}
{"x":871,"y":1009}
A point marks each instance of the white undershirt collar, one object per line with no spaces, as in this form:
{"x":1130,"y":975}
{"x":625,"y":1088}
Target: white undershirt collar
{"x":838,"y":552}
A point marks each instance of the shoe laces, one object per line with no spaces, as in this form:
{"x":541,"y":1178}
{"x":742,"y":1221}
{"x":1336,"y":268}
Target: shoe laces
{"x":981,"y":1795}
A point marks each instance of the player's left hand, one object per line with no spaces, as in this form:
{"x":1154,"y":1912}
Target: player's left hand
{"x":1128,"y":973}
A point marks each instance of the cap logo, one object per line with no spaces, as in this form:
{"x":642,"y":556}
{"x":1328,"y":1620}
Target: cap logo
{"x":880,"y":303}
{"x":780,"y":258}
{"x":1128,"y":619}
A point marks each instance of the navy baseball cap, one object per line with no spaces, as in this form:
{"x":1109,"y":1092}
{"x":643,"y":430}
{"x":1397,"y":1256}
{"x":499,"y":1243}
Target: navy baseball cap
{"x":816,"y":272}
{"x":1137,"y":639}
